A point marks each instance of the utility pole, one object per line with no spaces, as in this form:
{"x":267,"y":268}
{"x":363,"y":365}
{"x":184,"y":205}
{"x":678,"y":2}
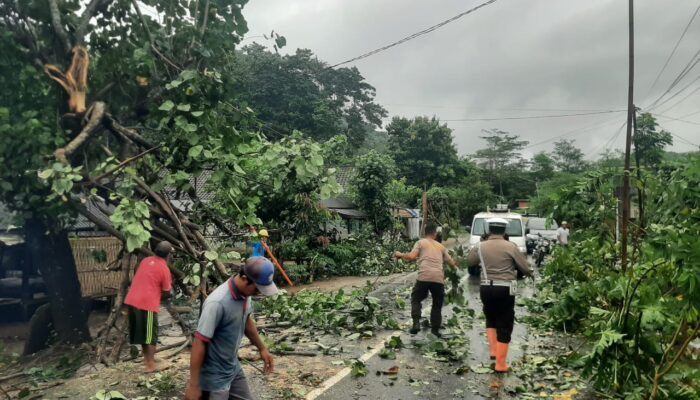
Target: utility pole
{"x":628,"y":142}
{"x":424,"y":212}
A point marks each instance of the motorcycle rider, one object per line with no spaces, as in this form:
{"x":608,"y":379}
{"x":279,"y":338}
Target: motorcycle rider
{"x":500,"y":260}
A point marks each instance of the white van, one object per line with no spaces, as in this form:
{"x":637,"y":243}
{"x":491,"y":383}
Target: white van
{"x":515,"y":229}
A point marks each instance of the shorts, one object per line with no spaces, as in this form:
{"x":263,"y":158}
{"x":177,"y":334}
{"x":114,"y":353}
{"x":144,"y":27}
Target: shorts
{"x":143,"y":326}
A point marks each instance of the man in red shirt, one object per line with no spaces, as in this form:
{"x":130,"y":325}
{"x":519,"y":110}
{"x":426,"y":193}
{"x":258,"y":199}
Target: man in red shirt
{"x":151,"y":282}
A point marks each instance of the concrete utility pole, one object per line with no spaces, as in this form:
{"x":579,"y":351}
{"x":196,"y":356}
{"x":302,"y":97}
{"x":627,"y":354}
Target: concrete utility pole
{"x":628,"y":142}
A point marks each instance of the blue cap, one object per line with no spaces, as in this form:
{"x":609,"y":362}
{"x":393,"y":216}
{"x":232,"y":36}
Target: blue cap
{"x":262,"y":272}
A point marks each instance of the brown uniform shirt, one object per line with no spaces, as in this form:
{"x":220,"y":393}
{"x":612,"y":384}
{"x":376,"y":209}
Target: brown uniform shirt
{"x":431,"y":255}
{"x":501,"y":257}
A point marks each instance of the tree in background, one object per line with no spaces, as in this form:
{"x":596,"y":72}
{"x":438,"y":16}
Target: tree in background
{"x":299,"y":92}
{"x":567,"y":157}
{"x":423,"y":151}
{"x":400,"y":194}
{"x":649,"y":143}
{"x":501,"y":160}
{"x":373,"y":174}
{"x":541,"y":167}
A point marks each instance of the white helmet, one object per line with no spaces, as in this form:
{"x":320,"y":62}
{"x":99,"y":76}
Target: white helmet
{"x":497,"y":222}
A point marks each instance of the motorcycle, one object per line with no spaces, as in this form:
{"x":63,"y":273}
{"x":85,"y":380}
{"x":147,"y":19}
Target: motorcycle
{"x":543,"y":246}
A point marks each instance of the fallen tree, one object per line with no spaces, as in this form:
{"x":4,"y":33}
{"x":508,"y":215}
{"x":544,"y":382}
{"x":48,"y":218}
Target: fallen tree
{"x":131,"y":157}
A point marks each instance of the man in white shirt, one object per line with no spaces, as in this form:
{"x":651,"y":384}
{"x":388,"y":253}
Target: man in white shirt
{"x":563,"y":234}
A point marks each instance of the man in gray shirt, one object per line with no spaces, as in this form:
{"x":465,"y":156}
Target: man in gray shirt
{"x":215,"y":373}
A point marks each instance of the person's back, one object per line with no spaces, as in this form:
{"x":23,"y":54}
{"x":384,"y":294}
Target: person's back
{"x":151,"y":279}
{"x":431,"y":256}
{"x":502,"y":259}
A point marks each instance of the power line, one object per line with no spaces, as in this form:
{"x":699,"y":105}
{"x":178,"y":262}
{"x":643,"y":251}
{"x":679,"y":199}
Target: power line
{"x":414,"y":35}
{"x":494,"y":109}
{"x":676,"y":119}
{"x":674,"y":49}
{"x":532,"y":116}
{"x":577,"y":130}
{"x":657,"y":104}
{"x":610,"y":143}
{"x":690,"y":115}
{"x":688,"y":67}
{"x":683,"y":99}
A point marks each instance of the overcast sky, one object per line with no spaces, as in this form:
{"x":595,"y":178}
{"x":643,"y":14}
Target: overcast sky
{"x":512,"y":58}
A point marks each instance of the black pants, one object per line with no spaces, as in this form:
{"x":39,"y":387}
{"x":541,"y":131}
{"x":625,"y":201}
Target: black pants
{"x":499,"y":309}
{"x":420,"y":292}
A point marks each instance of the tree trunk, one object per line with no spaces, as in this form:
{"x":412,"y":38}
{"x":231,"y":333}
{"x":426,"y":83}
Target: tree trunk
{"x":52,"y":255}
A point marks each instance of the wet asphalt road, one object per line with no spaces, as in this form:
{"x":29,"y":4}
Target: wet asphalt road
{"x":421,"y":377}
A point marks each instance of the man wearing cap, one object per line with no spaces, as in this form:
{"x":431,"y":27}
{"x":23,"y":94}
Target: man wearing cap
{"x":259,"y":247}
{"x":499,"y":260}
{"x":215,"y":373}
{"x":431,"y":277}
{"x":563,"y":234}
{"x":151,"y":282}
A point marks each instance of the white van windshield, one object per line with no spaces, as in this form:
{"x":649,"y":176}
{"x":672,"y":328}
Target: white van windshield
{"x":514,"y":228}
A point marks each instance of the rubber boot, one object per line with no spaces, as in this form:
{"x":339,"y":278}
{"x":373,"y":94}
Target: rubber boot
{"x":501,"y":355}
{"x":491,"y":334}
{"x":416,"y":327}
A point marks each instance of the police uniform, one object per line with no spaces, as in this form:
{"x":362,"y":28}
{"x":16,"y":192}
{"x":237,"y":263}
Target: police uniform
{"x":500,"y":260}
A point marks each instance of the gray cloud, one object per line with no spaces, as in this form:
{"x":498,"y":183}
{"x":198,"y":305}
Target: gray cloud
{"x":507,"y":57}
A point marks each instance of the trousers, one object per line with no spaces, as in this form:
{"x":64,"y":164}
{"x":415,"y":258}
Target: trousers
{"x":419,"y":293}
{"x":499,"y":309}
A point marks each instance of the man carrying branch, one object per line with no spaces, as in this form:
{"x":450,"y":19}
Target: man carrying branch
{"x":431,"y":277}
{"x":215,"y":372}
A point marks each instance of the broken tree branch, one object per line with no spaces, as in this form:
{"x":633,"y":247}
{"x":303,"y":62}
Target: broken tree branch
{"x":74,"y":81}
{"x":96,"y":115}
{"x":123,"y":164}
{"x":112,"y":124}
{"x":168,"y":211}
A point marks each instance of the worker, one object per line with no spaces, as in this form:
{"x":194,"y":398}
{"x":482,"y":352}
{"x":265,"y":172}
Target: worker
{"x":151,"y":283}
{"x":500,"y":260}
{"x":259,"y":247}
{"x":431,"y":278}
{"x":563,"y":234}
{"x":215,"y":372}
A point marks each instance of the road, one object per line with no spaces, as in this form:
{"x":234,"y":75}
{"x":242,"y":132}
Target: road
{"x":420,"y":377}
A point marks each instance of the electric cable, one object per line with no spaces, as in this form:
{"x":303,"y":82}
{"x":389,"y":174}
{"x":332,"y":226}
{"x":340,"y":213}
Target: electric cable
{"x":414,"y":35}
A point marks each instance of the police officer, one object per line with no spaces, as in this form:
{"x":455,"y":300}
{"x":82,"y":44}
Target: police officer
{"x":499,"y":260}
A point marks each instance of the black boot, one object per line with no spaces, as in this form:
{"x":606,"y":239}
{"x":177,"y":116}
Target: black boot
{"x":436,"y":332}
{"x":415,"y":328}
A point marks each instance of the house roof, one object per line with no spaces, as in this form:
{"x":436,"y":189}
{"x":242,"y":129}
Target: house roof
{"x":343,"y":175}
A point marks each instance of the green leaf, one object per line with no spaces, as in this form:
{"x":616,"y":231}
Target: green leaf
{"x":183,"y":107}
{"x":166,"y":106}
{"x":211,"y":255}
{"x":195,"y":151}
{"x":238,"y":169}
{"x":46,"y":174}
{"x":197,"y":113}
{"x":190,"y":128}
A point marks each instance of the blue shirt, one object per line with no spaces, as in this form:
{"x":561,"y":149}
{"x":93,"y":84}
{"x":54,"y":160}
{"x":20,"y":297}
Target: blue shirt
{"x":222,"y":326}
{"x":258,"y":250}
